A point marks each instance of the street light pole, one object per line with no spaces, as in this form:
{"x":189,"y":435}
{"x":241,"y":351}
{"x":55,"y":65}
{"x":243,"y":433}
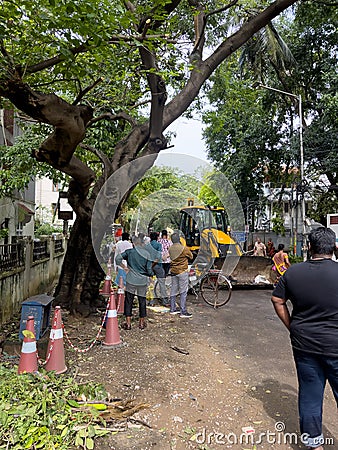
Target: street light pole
{"x":301,"y":145}
{"x":300,"y":112}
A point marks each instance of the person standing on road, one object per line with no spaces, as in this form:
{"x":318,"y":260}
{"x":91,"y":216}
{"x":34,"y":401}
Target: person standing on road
{"x":281,"y":262}
{"x":179,"y":255}
{"x":166,"y":244}
{"x":312,"y":287}
{"x":139,"y":269}
{"x":120,"y":247}
{"x":270,"y":248}
{"x":259,"y":248}
{"x":155,"y":250}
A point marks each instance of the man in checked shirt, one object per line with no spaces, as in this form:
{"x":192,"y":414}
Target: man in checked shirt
{"x":166,"y":243}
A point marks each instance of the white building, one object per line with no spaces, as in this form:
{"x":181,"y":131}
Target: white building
{"x":38,"y":202}
{"x":291,"y":207}
{"x":17,"y":211}
{"x":48,"y":202}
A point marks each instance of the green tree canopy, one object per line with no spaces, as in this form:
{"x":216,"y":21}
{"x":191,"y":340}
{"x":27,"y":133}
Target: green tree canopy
{"x":253,"y":135}
{"x":107,"y":79}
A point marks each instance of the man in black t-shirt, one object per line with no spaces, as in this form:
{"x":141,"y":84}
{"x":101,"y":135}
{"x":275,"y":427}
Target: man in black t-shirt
{"x":312,"y":288}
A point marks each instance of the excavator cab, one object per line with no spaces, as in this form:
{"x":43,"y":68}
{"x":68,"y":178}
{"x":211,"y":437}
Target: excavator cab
{"x":206,"y":230}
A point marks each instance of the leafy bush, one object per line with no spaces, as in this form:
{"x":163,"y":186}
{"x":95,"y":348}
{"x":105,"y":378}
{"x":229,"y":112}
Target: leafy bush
{"x":46,"y":229}
{"x":43,"y":412}
{"x":295,"y":259}
{"x":278,"y":225}
{"x":4,"y":232}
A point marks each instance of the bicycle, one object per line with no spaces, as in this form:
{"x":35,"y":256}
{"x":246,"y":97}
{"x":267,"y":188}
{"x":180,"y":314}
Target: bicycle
{"x":215,"y":288}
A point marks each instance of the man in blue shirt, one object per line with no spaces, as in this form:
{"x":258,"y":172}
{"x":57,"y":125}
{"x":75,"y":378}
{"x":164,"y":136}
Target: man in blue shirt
{"x":139,"y":269}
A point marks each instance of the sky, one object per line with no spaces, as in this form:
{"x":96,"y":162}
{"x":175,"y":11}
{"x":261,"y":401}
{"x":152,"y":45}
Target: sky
{"x":188,"y":138}
{"x":188,"y":151}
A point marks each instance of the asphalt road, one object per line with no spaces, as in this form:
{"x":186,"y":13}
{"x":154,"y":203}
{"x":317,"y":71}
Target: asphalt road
{"x":254,"y":340}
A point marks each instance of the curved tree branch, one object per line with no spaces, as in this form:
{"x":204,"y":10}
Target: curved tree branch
{"x":113,"y":117}
{"x":86,"y":90}
{"x":137,"y":139}
{"x":204,"y":69}
{"x":69,"y":122}
{"x":108,"y":168}
{"x":156,"y":84}
{"x":201,"y":22}
{"x":51,"y":62}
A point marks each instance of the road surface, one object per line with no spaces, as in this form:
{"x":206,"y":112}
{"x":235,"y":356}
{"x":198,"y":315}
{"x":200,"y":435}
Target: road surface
{"x":256,"y":342}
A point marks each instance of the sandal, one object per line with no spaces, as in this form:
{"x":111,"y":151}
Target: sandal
{"x":126,"y":326}
{"x":142,"y":325}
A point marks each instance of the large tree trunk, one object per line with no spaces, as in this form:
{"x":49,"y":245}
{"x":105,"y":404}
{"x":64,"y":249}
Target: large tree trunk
{"x":69,"y":122}
{"x":81,"y":273}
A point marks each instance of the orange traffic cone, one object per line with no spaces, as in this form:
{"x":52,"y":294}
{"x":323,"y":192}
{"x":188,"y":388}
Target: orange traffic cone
{"x":112,"y":337}
{"x":55,"y":350}
{"x":28,"y":358}
{"x":120,"y":297}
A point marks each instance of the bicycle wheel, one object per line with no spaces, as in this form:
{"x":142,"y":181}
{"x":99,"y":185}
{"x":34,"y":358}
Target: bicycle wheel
{"x":215,"y":289}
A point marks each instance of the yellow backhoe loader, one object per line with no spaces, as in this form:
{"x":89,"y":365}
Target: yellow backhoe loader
{"x":207,"y":234}
{"x":205,"y":228}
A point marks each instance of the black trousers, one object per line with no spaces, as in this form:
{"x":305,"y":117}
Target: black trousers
{"x":166,"y":267}
{"x":131,"y":291}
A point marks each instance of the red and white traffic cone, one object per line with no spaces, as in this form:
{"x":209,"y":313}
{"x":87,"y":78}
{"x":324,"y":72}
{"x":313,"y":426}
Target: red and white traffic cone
{"x":112,"y":337}
{"x":120,"y":297}
{"x":106,"y":289}
{"x":55,"y":350}
{"x":28,"y":359}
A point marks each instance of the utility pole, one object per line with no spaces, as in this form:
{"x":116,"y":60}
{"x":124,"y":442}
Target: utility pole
{"x":301,"y":149}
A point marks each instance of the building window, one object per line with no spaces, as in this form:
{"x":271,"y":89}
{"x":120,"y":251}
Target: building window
{"x":19,"y":229}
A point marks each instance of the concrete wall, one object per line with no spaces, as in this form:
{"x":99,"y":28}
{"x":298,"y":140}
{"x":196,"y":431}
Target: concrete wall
{"x":276,"y":239}
{"x":35,"y":278}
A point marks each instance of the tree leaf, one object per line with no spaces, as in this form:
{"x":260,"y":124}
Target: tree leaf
{"x":28,"y":334}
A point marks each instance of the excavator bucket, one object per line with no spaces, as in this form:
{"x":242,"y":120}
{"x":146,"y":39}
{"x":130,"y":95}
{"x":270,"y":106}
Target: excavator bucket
{"x":254,"y":271}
